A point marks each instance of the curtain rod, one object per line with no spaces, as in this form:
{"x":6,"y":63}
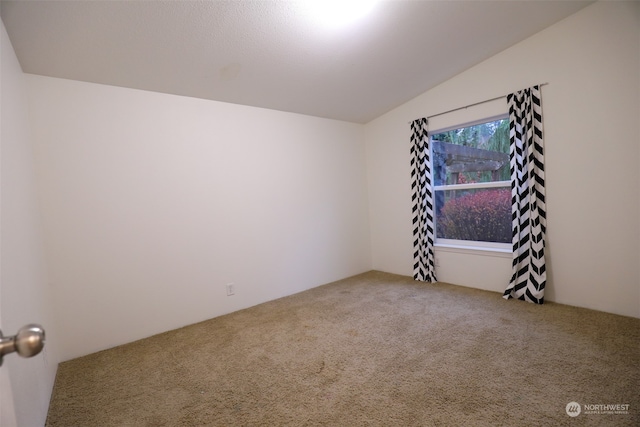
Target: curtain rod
{"x":474,"y":104}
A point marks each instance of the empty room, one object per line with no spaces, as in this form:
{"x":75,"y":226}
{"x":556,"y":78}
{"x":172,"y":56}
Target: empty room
{"x":319,"y":213}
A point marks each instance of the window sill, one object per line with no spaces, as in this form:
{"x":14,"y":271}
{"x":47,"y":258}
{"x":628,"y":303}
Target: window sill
{"x":474,"y":250}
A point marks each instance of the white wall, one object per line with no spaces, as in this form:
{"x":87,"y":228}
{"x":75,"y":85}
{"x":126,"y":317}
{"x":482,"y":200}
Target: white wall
{"x":23,"y":276}
{"x":153,"y":202}
{"x":591,"y":61}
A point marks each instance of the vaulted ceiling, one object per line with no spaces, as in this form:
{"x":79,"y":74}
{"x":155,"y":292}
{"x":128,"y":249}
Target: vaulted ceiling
{"x":271,"y":53}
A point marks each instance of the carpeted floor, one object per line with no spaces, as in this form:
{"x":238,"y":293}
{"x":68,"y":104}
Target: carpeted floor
{"x":373,"y":350}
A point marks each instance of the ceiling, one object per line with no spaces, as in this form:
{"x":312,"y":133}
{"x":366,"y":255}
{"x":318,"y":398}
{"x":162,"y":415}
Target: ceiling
{"x":271,"y":53}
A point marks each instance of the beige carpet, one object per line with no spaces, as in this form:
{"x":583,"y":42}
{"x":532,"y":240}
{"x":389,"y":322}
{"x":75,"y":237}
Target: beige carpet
{"x":373,"y":350}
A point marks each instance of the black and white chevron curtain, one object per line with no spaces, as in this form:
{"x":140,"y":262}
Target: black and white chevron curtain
{"x":528,"y":209}
{"x":422,"y":203}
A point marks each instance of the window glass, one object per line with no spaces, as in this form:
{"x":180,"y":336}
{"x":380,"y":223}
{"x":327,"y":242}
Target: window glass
{"x":482,"y":215}
{"x":472,"y":189}
{"x":472,"y":154}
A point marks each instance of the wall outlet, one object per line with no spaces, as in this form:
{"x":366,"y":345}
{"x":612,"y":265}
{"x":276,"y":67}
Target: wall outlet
{"x":436,"y":262}
{"x":231,"y":289}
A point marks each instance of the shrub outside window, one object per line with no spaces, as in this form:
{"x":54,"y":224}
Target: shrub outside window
{"x":472,"y":186}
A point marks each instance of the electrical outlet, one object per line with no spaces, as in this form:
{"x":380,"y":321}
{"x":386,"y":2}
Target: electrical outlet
{"x":231,"y":289}
{"x":436,"y":261}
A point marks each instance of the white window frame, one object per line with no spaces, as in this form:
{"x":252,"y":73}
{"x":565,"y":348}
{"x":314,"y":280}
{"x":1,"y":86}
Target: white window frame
{"x":473,"y":245}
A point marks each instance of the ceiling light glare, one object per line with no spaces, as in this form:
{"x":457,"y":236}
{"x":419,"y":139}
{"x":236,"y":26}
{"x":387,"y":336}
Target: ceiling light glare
{"x":337,"y":13}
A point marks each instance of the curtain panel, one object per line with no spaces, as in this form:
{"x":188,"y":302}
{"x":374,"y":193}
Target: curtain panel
{"x":528,"y":209}
{"x":422,"y":203}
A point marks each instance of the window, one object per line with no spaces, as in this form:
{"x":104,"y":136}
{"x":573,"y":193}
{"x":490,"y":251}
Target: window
{"x":472,"y":186}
